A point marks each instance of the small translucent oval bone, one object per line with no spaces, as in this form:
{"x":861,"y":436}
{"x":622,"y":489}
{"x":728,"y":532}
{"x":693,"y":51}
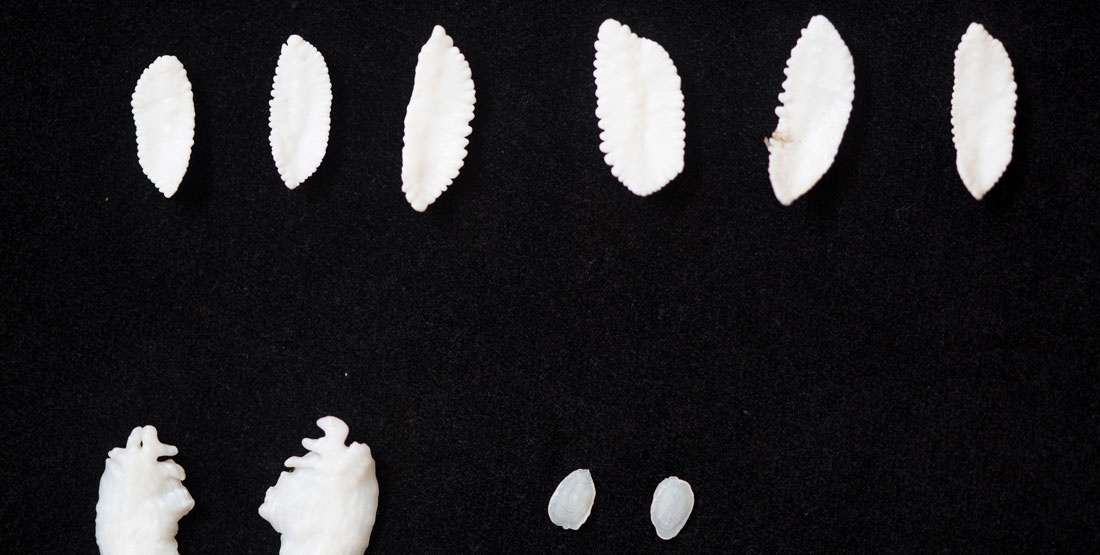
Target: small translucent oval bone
{"x":141,"y":498}
{"x":327,"y":502}
{"x":572,"y":500}
{"x":673,"y":501}
{"x":815,"y":104}
{"x":983,"y":110}
{"x":301,"y":98}
{"x":437,"y":121}
{"x":164,"y":117}
{"x":640,"y":108}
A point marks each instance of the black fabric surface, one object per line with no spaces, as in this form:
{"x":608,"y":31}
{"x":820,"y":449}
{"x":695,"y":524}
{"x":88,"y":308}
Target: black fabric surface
{"x":885,"y":366}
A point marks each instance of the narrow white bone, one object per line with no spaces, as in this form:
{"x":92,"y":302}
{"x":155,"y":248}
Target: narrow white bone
{"x":983,"y":110}
{"x":164,"y":116}
{"x":437,"y":121}
{"x":301,"y":98}
{"x":815,"y":104}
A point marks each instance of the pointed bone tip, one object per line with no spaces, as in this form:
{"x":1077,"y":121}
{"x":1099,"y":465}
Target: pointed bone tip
{"x":976,"y":28}
{"x":976,"y":189}
{"x":820,"y":21}
{"x":167,"y":60}
{"x":783,"y":194}
{"x":294,"y":40}
{"x":438,"y":30}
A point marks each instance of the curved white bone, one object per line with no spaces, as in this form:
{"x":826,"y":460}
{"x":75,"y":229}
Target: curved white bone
{"x":816,"y":102}
{"x":640,"y":109}
{"x":437,"y":121}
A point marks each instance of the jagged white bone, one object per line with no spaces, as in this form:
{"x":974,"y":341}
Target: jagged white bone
{"x":437,"y":121}
{"x":640,"y":108}
{"x":815,"y":104}
{"x":141,"y":498}
{"x":326,"y":503}
{"x":164,"y":116}
{"x":983,"y":110}
{"x":301,"y":99}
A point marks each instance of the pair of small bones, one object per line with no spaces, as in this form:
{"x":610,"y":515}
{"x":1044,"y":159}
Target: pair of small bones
{"x":572,"y":501}
{"x":326,"y":503}
{"x":640,"y":108}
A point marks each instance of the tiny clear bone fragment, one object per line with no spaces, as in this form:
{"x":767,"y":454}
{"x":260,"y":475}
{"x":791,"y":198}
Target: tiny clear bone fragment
{"x":326,"y":503}
{"x":640,"y":109}
{"x":301,"y":99}
{"x":983,"y":110}
{"x":572,"y":500}
{"x":164,"y":119}
{"x":437,"y":121}
{"x":672,"y":504}
{"x":813,"y":113}
{"x":141,"y":498}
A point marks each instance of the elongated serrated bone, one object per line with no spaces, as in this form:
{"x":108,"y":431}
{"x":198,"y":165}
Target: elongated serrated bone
{"x":141,"y":498}
{"x":164,"y":116}
{"x":815,"y":104}
{"x":301,"y":98}
{"x":983,"y":110}
{"x":437,"y":121}
{"x":640,"y":109}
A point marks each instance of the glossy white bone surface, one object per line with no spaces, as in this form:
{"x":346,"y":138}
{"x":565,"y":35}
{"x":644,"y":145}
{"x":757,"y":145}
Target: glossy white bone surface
{"x":983,"y":110}
{"x":572,"y":500}
{"x":640,"y":109}
{"x":326,"y":503}
{"x":301,"y":98}
{"x":672,"y":503}
{"x":164,"y":117}
{"x":815,"y":104}
{"x":437,"y":121}
{"x":141,"y":498}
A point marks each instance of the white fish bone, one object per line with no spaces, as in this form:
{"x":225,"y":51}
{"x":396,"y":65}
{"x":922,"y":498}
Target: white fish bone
{"x":672,"y":504}
{"x":164,"y":116}
{"x":327,"y":502}
{"x":572,"y":500}
{"x":815,"y":104}
{"x":301,"y":99}
{"x":437,"y":121}
{"x":640,"y":108}
{"x":141,"y":498}
{"x":983,"y":110}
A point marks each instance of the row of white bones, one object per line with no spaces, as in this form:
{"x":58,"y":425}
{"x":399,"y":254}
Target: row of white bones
{"x":638,"y":102}
{"x":325,"y":504}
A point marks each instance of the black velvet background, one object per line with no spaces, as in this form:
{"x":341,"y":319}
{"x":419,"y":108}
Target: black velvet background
{"x":885,"y":366}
